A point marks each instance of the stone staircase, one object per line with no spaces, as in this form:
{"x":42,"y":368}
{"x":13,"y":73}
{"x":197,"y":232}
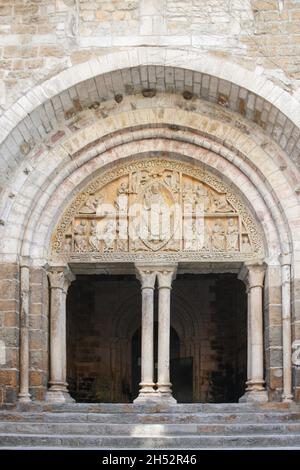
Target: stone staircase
{"x":128,"y":426}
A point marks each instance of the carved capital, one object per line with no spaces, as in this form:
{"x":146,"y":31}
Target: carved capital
{"x":166,"y":275}
{"x":146,"y":276}
{"x":60,"y":277}
{"x":256,"y":274}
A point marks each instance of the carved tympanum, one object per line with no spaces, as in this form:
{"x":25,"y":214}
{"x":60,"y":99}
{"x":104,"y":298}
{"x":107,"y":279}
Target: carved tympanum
{"x":157,"y":206}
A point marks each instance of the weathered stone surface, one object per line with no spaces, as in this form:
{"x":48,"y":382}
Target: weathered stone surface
{"x":8,"y":377}
{"x":213,"y":82}
{"x":226,"y":426}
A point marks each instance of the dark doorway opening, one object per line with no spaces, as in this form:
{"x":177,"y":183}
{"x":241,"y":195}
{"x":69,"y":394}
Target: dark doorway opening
{"x":178,"y":386}
{"x":208,"y":338}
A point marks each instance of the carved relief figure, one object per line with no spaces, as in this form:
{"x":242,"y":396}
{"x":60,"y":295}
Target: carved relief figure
{"x":207,"y":238}
{"x":155,"y":203}
{"x":218,"y":236}
{"x":200,"y":235}
{"x":138,"y":178}
{"x":109,"y":235}
{"x":203,"y":197}
{"x":246,"y":247}
{"x":221,"y":204}
{"x":134,"y":232}
{"x":79,"y":236}
{"x":172,"y":181}
{"x":92,"y":204}
{"x":188,"y":194}
{"x":93,"y":238}
{"x":232,"y":236}
{"x":122,"y":243}
{"x":123,"y":188}
{"x":68,"y":245}
{"x":121,"y":203}
{"x":135,"y":181}
{"x":189,"y":236}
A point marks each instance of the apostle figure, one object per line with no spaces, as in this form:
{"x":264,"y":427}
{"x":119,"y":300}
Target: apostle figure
{"x":232,"y":236}
{"x":218,"y":237}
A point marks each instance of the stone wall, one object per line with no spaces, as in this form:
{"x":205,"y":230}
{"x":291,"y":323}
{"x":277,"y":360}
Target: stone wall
{"x":9,"y":332}
{"x":38,"y":39}
{"x":296,"y":336}
{"x":273,"y":332}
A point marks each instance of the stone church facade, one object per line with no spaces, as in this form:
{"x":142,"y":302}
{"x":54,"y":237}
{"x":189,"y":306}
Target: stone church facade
{"x":149,"y":205}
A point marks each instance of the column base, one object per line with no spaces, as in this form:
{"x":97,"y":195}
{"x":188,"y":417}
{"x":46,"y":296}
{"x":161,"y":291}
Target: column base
{"x":164,"y":392}
{"x":155,"y":397}
{"x":24,"y":398}
{"x":254,"y":396}
{"x":144,"y":398}
{"x":146,"y":393}
{"x":56,"y":394}
{"x":287,"y":398}
{"x":164,"y":397}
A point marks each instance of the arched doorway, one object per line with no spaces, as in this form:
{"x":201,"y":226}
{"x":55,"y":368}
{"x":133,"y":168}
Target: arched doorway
{"x":243,"y":154}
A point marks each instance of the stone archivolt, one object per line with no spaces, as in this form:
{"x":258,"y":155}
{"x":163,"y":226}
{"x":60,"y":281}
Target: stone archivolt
{"x":157,"y":208}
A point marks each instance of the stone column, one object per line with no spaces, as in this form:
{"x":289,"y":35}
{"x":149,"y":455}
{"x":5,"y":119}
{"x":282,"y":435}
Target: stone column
{"x":24,"y":396}
{"x":255,"y":390}
{"x":60,"y":278}
{"x":147,"y":278}
{"x":165,"y":278}
{"x":287,"y":395}
{"x":249,"y":341}
{"x":243,"y":276}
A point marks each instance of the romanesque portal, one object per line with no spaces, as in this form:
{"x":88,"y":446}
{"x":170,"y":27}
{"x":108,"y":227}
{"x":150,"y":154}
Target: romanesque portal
{"x":168,"y":224}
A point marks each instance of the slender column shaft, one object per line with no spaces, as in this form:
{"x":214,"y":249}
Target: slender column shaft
{"x":60,"y":279}
{"x":286,"y":330}
{"x":57,"y":381}
{"x":253,"y":275}
{"x":147,"y":278}
{"x":256,"y":328}
{"x":249,"y":341}
{"x":164,"y":303}
{"x":164,"y":338}
{"x":147,"y":357}
{"x":24,"y":395}
{"x":255,"y":383}
{"x":64,"y":333}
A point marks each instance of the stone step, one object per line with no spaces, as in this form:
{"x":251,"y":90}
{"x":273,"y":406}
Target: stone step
{"x":162,"y":408}
{"x":152,"y":418}
{"x":240,"y":441}
{"x":154,"y":430}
